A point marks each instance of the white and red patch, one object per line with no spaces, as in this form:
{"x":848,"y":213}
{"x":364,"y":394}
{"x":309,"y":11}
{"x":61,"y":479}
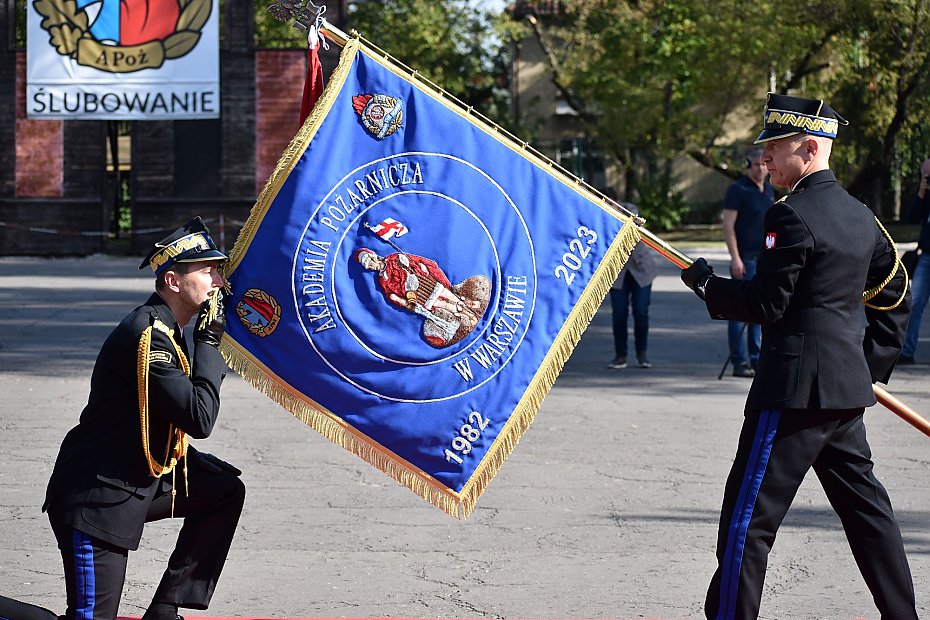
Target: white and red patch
{"x":770,"y":241}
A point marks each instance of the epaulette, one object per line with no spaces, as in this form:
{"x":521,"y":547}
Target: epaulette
{"x":872,"y":292}
{"x":176,"y":449}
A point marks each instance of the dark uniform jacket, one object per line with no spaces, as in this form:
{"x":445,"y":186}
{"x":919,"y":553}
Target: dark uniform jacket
{"x":822,"y":348}
{"x":101,"y":483}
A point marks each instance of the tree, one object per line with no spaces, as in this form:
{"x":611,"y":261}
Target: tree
{"x":884,"y":91}
{"x":451,"y":42}
{"x":654,"y":80}
{"x":658,"y":79}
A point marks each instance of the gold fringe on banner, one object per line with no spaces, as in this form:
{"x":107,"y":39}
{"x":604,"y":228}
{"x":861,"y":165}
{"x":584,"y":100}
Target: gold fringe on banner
{"x":336,"y":430}
{"x":562,"y":347}
{"x":459,"y":505}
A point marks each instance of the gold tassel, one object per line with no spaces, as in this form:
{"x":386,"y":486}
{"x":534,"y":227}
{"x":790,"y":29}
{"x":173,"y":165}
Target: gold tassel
{"x":213,"y":309}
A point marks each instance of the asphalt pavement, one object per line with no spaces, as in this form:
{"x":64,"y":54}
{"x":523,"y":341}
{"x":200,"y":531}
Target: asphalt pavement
{"x":608,"y":507}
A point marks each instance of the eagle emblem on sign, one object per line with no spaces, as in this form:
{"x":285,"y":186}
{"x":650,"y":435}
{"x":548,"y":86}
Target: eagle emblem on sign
{"x":380,"y":114}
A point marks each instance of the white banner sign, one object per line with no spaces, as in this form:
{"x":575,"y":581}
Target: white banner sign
{"x":123,"y":59}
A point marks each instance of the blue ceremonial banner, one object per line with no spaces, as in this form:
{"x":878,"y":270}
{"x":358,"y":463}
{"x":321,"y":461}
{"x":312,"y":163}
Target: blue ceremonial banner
{"x":411,"y":280}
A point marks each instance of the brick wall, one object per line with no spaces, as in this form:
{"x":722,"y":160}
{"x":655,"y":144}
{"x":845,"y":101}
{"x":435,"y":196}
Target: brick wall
{"x":39,"y":147}
{"x":279,"y":84}
{"x":7,"y":104}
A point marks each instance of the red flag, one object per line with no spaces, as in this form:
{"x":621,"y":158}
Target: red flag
{"x":313,"y":85}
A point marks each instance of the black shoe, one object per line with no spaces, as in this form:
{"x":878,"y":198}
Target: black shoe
{"x":905,"y":360}
{"x":643,"y":360}
{"x":175,"y":617}
{"x":161,"y":611}
{"x":619,"y":362}
{"x":744,"y":370}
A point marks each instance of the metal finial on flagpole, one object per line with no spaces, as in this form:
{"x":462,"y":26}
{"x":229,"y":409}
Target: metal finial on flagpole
{"x":307,"y":16}
{"x":304,"y":12}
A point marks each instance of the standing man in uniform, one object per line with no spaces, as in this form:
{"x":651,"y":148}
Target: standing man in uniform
{"x":128,"y":461}
{"x":744,"y":209}
{"x":919,"y":213}
{"x":831,"y":297}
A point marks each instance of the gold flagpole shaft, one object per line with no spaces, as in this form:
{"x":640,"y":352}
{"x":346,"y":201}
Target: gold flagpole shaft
{"x":890,"y":403}
{"x":663,"y":248}
{"x":334,"y":34}
{"x":901,"y":410}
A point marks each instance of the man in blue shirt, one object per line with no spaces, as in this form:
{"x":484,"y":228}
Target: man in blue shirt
{"x":744,"y":209}
{"x":920,"y":279}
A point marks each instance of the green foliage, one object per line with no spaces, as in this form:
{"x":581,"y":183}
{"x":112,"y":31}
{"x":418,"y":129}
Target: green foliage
{"x":662,"y":207}
{"x":452,"y":43}
{"x":273,"y":34}
{"x":20,"y":22}
{"x":658,"y":79}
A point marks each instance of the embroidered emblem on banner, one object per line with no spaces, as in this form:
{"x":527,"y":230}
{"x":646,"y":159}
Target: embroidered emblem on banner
{"x":353,"y":320}
{"x":769,"y":240}
{"x":417,"y":285}
{"x":259,"y":312}
{"x":381,"y":115}
{"x":122,"y":36}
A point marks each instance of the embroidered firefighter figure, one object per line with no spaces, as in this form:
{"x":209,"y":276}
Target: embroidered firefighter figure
{"x":769,"y":241}
{"x":418,"y":285}
{"x":381,"y":115}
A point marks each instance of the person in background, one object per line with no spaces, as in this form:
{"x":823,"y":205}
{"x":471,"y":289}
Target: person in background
{"x":632,"y":288}
{"x":744,"y":207}
{"x":919,"y":211}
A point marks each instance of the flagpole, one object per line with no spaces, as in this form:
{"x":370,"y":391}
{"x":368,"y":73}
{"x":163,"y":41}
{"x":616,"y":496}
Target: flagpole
{"x":334,"y":34}
{"x":900,"y":409}
{"x":889,"y":401}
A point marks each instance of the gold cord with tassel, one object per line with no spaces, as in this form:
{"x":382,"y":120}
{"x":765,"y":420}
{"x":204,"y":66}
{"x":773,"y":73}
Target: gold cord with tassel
{"x":872,"y":292}
{"x":176,"y":448}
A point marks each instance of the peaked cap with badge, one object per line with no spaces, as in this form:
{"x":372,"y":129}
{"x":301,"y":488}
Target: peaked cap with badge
{"x":786,"y":115}
{"x":189,"y":243}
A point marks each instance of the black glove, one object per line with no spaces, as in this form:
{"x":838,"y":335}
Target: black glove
{"x":217,"y":465}
{"x":696,"y":276}
{"x":209,"y":329}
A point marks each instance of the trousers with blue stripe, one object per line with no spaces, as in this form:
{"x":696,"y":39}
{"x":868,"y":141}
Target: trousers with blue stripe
{"x":94,"y":570}
{"x":776,"y":450}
